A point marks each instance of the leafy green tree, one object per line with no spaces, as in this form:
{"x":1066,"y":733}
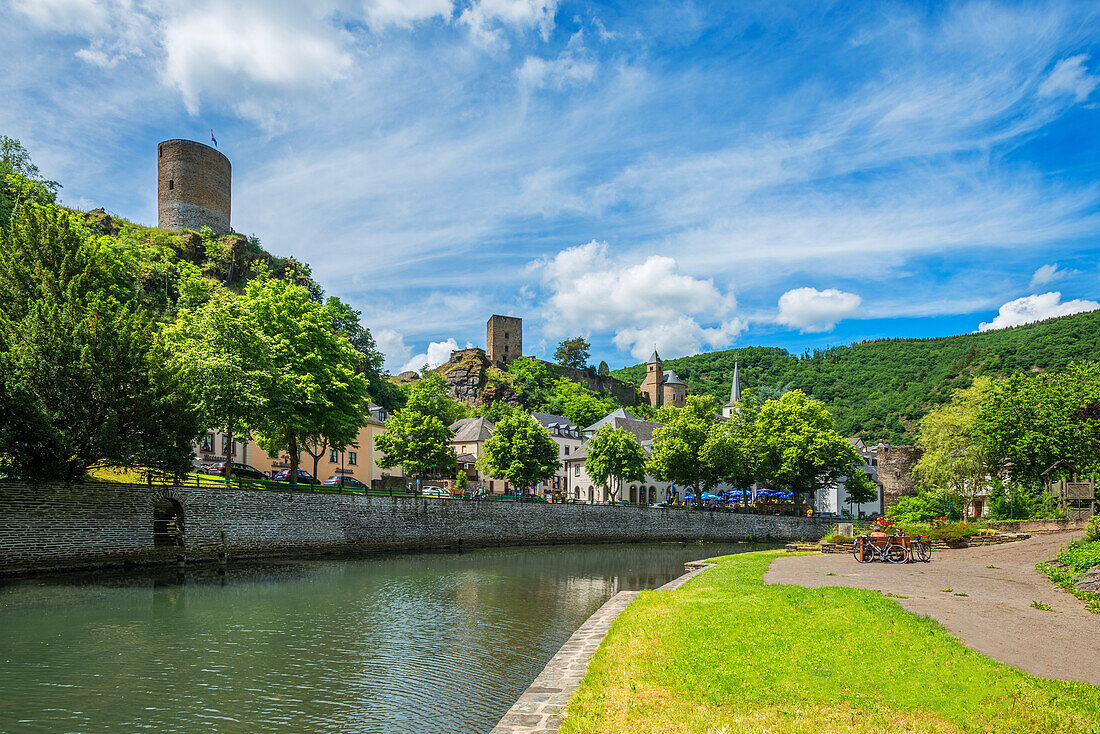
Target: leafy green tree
{"x":222,"y":363}
{"x":603,"y":370}
{"x":81,"y":383}
{"x":799,"y":448}
{"x":859,"y":488}
{"x":415,"y":441}
{"x":315,"y":394}
{"x":955,"y":457}
{"x":731,"y":450}
{"x":577,"y":403}
{"x":1029,"y":422}
{"x":520,"y":451}
{"x":429,"y":396}
{"x":346,"y":322}
{"x":677,"y":454}
{"x":531,"y":380}
{"x":20,"y":180}
{"x":614,"y":453}
{"x":573,"y":352}
{"x":461,"y":480}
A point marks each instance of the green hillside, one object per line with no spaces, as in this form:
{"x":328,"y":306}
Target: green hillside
{"x":879,"y":390}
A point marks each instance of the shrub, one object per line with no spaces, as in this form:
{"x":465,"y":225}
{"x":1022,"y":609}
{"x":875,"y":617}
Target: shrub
{"x":1081,"y":555}
{"x":955,"y":532}
{"x":925,"y":506}
{"x":1092,"y":530}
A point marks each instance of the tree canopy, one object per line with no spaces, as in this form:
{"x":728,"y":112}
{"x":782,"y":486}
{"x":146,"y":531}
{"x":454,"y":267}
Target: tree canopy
{"x":81,"y":382}
{"x":677,"y":454}
{"x":614,"y":453}
{"x":573,"y":352}
{"x":520,"y":451}
{"x":799,"y":448}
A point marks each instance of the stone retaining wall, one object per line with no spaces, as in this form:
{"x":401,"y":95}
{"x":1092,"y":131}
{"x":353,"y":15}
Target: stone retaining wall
{"x":984,"y":539}
{"x":55,"y":525}
{"x":1037,"y":526}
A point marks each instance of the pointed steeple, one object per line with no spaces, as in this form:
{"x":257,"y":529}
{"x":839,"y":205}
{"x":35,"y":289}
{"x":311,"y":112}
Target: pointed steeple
{"x":735,"y":389}
{"x":654,"y":358}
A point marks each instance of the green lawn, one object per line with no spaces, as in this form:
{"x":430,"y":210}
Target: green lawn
{"x":727,"y":653}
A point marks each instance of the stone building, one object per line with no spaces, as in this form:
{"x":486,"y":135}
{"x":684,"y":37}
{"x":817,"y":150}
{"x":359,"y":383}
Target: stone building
{"x":582,"y":488}
{"x":193,"y":186}
{"x":569,"y":439}
{"x":895,"y":471}
{"x":503,"y":338}
{"x":660,"y":387}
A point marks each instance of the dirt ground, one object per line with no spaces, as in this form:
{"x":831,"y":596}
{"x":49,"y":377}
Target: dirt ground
{"x":987,"y":602}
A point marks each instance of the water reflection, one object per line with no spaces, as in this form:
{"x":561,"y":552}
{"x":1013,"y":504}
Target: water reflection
{"x":410,"y":643}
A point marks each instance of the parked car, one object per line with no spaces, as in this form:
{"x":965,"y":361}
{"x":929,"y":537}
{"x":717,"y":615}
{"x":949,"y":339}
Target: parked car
{"x":529,"y":498}
{"x":339,"y":480}
{"x":242,"y":471}
{"x":304,"y":477}
{"x":435,"y":492}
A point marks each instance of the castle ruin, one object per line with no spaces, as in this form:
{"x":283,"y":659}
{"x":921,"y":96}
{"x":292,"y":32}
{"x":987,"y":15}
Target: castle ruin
{"x":193,"y":186}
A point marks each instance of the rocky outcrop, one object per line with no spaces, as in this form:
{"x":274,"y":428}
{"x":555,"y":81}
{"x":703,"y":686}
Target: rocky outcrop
{"x":1090,"y":582}
{"x":472,"y":379}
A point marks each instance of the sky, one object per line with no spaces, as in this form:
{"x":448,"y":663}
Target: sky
{"x":681,"y":175}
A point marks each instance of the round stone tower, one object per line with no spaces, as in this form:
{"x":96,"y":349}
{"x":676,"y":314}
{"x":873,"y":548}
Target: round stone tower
{"x":193,"y":186}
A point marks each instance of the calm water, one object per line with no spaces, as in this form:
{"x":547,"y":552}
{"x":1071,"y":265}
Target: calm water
{"x":410,"y":643}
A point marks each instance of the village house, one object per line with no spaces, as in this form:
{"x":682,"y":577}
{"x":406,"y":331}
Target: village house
{"x":583,"y":488}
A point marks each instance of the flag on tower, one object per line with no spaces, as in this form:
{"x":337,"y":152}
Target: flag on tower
{"x":213,"y":138}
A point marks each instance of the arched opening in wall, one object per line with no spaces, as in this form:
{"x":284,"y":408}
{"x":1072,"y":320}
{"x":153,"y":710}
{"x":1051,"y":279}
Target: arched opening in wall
{"x":168,"y":523}
{"x":652,"y":495}
{"x":591,"y":496}
{"x":633,"y":493}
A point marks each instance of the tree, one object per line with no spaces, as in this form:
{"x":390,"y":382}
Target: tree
{"x":81,"y":383}
{"x":731,"y":448}
{"x":222,"y":364}
{"x":955,"y":458}
{"x":415,"y":441}
{"x":429,"y":396}
{"x":614,"y":453}
{"x":678,"y":446}
{"x":799,"y":448}
{"x":20,"y":181}
{"x":531,"y":380}
{"x":577,"y":403}
{"x":346,"y":322}
{"x":573,"y":352}
{"x":603,"y":370}
{"x":315,"y":394}
{"x":859,"y":488}
{"x":520,"y":451}
{"x":1028,"y":422}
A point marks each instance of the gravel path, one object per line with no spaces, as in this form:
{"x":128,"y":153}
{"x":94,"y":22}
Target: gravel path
{"x":989,"y":609}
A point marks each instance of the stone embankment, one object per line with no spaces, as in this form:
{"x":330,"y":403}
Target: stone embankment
{"x":977,"y":540}
{"x":62,"y":526}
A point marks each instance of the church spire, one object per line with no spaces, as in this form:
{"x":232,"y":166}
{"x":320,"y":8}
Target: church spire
{"x":735,"y":389}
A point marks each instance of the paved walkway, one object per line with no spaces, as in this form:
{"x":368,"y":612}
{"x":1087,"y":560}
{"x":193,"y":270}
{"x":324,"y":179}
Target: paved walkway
{"x":988,"y":606}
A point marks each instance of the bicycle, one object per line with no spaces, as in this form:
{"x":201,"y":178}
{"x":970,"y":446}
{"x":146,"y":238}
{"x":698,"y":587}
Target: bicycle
{"x":921,"y":548}
{"x":865,"y":549}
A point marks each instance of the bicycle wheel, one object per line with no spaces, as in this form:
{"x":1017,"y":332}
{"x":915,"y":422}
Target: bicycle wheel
{"x":863,"y":552}
{"x":896,"y":554}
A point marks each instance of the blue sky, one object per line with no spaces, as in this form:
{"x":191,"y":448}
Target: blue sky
{"x":688,"y":175}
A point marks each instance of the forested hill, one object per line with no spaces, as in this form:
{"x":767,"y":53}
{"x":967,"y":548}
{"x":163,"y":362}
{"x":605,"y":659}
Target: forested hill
{"x":879,"y":390}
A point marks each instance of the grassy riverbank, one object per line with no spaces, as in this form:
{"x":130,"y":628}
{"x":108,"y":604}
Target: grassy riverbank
{"x":728,"y":653}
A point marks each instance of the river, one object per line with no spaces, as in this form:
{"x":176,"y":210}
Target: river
{"x":402,"y":643}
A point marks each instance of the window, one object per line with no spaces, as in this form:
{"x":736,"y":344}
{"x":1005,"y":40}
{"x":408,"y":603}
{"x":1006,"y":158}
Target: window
{"x":171,"y":184}
{"x":567,"y":451}
{"x":228,"y":443}
{"x":333,"y":456}
{"x":506,"y":347}
{"x":160,"y":151}
{"x":506,"y":336}
{"x":353,"y":458}
{"x":208,"y":443}
{"x":577,"y":470}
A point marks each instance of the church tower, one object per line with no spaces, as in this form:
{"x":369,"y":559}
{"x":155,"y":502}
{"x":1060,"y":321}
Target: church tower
{"x":651,"y":385}
{"x":735,"y":394}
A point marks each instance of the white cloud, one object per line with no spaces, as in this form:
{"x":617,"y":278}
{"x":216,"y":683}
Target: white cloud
{"x":566,"y":70}
{"x":247,"y":51}
{"x":1046,"y":274}
{"x":116,"y":30}
{"x":437,"y":354}
{"x":676,"y":338}
{"x":484,"y":17}
{"x":646,"y":303}
{"x":1070,"y":77}
{"x":1036,"y":307}
{"x":406,"y":12}
{"x":66,"y":16}
{"x":810,"y":310}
